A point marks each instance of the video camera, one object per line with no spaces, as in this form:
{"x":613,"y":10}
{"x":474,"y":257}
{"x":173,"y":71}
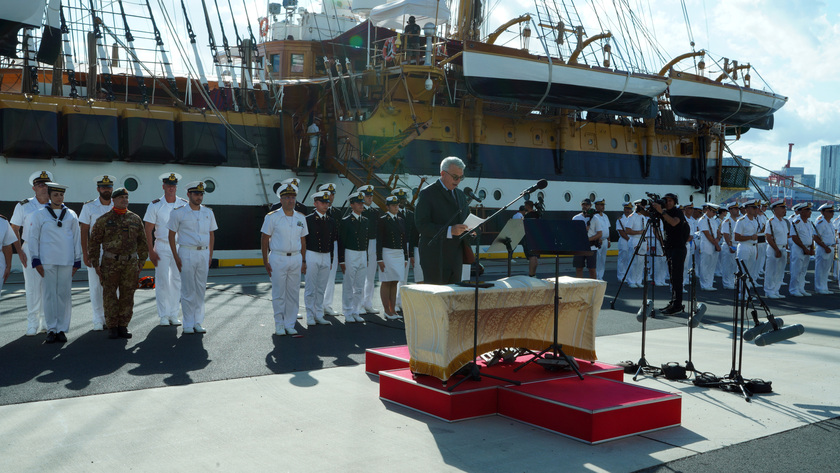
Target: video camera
{"x":647,"y":204}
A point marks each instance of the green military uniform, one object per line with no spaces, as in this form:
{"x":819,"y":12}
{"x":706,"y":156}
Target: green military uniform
{"x":123,"y":243}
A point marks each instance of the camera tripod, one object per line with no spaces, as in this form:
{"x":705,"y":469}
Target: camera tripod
{"x":651,"y":227}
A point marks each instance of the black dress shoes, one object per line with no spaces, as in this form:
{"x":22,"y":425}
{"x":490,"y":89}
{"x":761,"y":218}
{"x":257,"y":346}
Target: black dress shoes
{"x":113,"y":333}
{"x":123,"y":332}
{"x":51,"y":337}
{"x":61,"y":337}
{"x":673,"y":310}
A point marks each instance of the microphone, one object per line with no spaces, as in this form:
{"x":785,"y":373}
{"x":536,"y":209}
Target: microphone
{"x":774,"y":336}
{"x":699,"y":312}
{"x":469,"y":193}
{"x":763,"y":327}
{"x":541,"y":184}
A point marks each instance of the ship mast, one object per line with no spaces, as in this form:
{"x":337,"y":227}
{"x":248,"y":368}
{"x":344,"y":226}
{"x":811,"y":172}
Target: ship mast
{"x":469,"y":20}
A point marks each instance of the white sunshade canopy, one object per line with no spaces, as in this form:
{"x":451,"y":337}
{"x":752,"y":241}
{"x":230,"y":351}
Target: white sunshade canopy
{"x":395,"y":14}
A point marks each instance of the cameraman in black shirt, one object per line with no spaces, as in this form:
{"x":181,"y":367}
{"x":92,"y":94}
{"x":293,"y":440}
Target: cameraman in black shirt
{"x":676,"y":233}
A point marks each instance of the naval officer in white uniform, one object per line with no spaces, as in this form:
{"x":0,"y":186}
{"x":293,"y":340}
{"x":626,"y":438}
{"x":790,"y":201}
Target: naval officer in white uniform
{"x":802,"y":248}
{"x":192,"y":234}
{"x":776,"y":232}
{"x":32,"y":280}
{"x":283,"y":244}
{"x":167,"y":276}
{"x":826,"y":240}
{"x":709,"y":245}
{"x":92,"y":210}
{"x":7,"y":240}
{"x":746,"y":235}
{"x":56,"y":254}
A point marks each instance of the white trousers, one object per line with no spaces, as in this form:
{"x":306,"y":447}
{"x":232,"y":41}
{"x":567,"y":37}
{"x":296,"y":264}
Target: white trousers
{"x":822,"y":266}
{"x":195,"y":265}
{"x":761,"y":256}
{"x":370,"y":278}
{"x":746,"y":253}
{"x":355,"y":263}
{"x":601,"y":258}
{"x":727,"y":267}
{"x":798,"y":268}
{"x":774,"y":270}
{"x":418,"y":270}
{"x":329,"y":291}
{"x":58,"y":280}
{"x":624,"y":252}
{"x":689,"y":252}
{"x":706,"y":269}
{"x":167,"y":282}
{"x":95,"y":288}
{"x":658,"y":269}
{"x":34,"y":288}
{"x":313,"y":152}
{"x":317,"y":275}
{"x":285,"y":288}
{"x":637,"y":266}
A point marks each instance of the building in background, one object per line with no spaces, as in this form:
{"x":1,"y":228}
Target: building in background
{"x":830,"y":169}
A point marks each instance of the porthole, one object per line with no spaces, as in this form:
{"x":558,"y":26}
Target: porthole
{"x":567,"y":196}
{"x":592,"y":196}
{"x":527,"y":196}
{"x":510,"y":135}
{"x":665,"y":147}
{"x":614,"y":143}
{"x":497,"y":194}
{"x":482,"y":194}
{"x":447,"y":129}
{"x":276,"y":186}
{"x":131,"y":184}
{"x":590,"y":141}
{"x":540,"y":196}
{"x":627,"y":197}
{"x":209,"y":186}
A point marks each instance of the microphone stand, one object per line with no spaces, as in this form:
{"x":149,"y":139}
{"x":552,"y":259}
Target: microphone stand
{"x":472,"y":368}
{"x":742,"y":297}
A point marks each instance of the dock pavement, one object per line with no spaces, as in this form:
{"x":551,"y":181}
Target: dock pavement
{"x":241,"y":399}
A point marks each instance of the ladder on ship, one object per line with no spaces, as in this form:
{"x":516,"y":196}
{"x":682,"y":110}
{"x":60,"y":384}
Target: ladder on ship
{"x":361,"y":169}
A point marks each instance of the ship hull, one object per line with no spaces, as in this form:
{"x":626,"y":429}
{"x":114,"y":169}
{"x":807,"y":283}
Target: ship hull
{"x":526,"y":80}
{"x":722,"y":103}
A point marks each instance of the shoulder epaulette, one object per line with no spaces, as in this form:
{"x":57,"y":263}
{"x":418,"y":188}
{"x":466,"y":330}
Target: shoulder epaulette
{"x":156,"y":201}
{"x":176,"y":208}
{"x":91,"y":200}
{"x":182,"y":199}
{"x":3,"y":217}
{"x":24,"y":202}
{"x":272,"y":212}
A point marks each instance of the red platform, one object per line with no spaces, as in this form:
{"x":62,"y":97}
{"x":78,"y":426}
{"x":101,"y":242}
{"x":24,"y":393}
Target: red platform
{"x":386,"y":358}
{"x":594,"y":410}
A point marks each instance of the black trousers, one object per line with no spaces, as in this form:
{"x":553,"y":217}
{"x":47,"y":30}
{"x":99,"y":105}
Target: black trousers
{"x":676,"y":266}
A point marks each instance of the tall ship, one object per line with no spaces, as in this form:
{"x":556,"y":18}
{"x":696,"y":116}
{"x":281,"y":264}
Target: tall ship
{"x":350,"y":93}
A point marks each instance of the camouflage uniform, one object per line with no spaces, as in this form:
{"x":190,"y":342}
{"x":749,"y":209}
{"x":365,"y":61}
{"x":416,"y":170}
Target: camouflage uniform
{"x":123,"y":243}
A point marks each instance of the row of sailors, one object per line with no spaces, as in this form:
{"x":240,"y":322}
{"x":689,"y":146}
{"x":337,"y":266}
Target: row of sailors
{"x":722,"y":234}
{"x":360,"y":242}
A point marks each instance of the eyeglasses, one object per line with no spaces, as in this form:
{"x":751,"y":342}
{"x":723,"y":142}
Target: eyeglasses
{"x":455,"y":177}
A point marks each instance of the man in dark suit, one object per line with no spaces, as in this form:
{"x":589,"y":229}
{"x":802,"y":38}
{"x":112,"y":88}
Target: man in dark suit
{"x":440,"y":212}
